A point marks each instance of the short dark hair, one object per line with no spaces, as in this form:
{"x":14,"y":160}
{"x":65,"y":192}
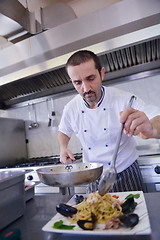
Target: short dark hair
{"x":82,"y":56}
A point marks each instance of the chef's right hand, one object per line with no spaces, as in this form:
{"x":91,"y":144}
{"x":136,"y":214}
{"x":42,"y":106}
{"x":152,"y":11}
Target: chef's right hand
{"x":66,"y":156}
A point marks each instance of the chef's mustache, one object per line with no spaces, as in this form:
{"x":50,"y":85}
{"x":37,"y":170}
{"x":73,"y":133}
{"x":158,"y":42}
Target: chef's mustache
{"x":89,"y":92}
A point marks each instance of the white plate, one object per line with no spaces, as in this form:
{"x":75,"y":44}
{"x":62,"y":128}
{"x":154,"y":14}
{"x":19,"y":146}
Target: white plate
{"x":142,"y":228}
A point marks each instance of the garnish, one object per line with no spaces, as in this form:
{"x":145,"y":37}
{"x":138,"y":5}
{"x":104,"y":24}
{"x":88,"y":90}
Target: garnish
{"x":133,"y":196}
{"x":115,"y":196}
{"x":60,"y":225}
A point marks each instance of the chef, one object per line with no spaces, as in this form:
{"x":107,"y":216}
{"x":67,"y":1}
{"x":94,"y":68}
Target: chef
{"x":95,"y":116}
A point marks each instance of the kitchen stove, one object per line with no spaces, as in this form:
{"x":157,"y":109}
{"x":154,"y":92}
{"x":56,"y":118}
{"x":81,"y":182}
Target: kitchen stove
{"x":36,"y":163}
{"x":31,"y":165}
{"x":39,"y":161}
{"x":149,"y":166}
{"x":150,"y":169}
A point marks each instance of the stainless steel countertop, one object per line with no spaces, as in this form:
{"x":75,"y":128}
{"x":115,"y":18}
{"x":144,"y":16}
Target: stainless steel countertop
{"x":41,"y":209}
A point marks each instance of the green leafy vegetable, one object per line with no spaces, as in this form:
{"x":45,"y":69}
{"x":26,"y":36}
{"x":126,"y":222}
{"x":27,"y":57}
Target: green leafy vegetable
{"x":133,"y":196}
{"x":60,"y":225}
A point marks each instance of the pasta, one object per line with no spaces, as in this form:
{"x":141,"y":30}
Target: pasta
{"x":103,"y":207}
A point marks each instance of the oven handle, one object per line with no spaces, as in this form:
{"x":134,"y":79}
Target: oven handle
{"x":145,"y":167}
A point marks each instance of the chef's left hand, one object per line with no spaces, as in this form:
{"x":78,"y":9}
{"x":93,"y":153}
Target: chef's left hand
{"x":136,"y":123}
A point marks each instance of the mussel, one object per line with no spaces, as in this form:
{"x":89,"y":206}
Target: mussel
{"x":66,"y":210}
{"x":129,"y":205}
{"x":129,"y":220}
{"x":87,"y":224}
{"x":79,"y":198}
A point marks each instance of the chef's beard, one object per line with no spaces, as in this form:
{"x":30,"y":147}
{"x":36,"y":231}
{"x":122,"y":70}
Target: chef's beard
{"x":90,"y":98}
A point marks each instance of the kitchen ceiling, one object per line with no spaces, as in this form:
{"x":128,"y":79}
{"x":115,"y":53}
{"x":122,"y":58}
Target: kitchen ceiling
{"x":128,"y":47}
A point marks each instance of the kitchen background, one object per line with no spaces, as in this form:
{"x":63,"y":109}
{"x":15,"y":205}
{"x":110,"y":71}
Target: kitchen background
{"x":36,"y":39}
{"x":42,"y":141}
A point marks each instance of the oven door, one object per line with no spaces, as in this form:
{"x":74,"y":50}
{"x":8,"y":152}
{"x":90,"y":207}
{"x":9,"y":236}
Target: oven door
{"x":150,"y":169}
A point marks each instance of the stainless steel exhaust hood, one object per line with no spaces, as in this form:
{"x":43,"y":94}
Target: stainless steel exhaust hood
{"x":125,"y":35}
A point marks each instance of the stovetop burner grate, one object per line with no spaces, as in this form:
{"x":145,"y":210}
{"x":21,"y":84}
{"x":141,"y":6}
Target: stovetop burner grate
{"x":41,"y":161}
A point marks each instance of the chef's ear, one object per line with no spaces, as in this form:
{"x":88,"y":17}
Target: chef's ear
{"x":102,"y":72}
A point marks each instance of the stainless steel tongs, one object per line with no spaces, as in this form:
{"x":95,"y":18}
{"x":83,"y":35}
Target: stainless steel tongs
{"x":108,"y":178}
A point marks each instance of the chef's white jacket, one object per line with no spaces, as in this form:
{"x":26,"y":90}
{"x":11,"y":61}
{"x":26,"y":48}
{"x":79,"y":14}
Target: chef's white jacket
{"x":97,"y":128}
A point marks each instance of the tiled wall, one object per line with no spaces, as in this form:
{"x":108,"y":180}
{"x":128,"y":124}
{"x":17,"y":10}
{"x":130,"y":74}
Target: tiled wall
{"x":42,"y":141}
{"x":149,"y":90}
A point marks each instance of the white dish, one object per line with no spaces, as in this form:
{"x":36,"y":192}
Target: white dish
{"x":142,"y":228}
